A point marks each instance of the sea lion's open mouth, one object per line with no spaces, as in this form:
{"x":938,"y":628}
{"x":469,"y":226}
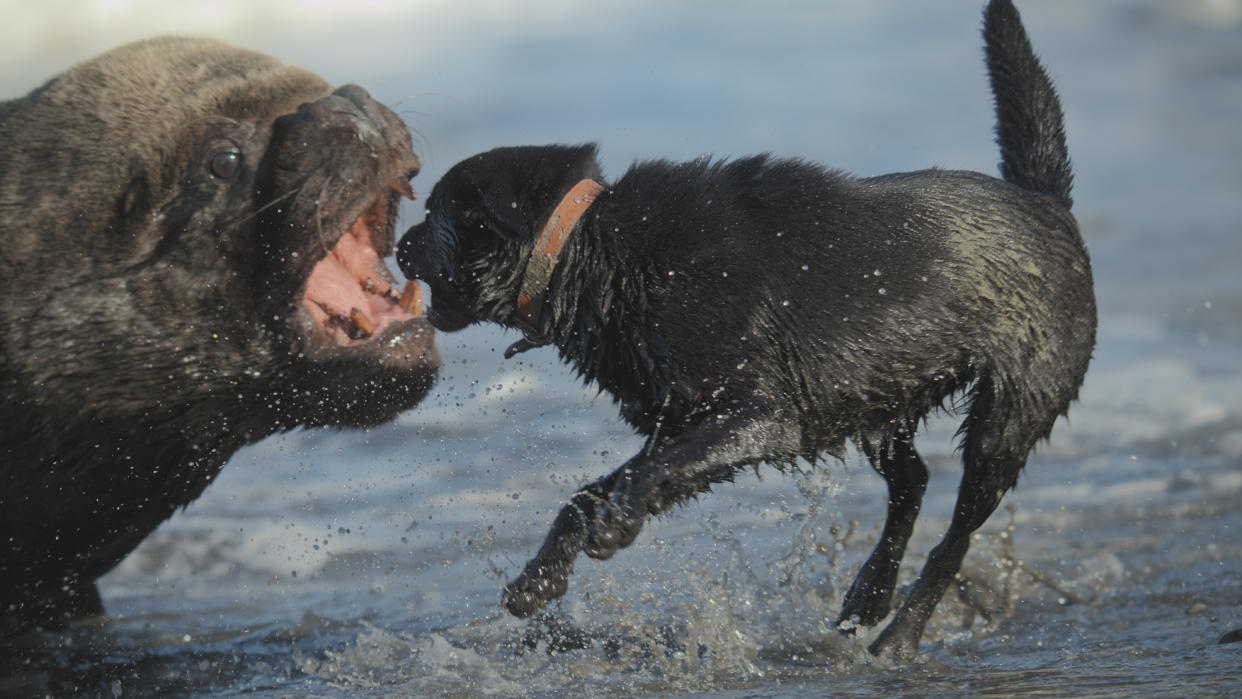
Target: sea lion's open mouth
{"x":350,"y":294}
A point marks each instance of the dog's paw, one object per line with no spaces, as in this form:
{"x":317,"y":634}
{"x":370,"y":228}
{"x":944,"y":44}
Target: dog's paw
{"x":616,"y":524}
{"x":864,"y":605}
{"x":899,"y":640}
{"x":534,"y":589}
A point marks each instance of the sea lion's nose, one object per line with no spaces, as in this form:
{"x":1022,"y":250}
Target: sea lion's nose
{"x":354,"y":94}
{"x":358,"y":105}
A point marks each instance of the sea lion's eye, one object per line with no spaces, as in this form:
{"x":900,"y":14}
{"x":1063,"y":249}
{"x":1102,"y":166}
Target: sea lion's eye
{"x":225,"y":164}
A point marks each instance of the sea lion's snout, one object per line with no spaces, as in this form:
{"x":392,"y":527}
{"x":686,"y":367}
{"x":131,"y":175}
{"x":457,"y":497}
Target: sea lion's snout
{"x":345,"y":162}
{"x":350,"y":115}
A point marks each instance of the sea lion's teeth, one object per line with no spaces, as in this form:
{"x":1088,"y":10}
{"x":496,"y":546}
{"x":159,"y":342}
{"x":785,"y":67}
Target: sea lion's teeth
{"x":404,"y":189}
{"x":409,"y":296}
{"x":361,"y":323}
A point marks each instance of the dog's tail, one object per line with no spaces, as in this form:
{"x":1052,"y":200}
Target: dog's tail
{"x":1030,"y":127}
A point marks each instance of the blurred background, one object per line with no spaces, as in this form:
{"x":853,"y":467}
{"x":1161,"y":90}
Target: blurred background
{"x":364,"y":562}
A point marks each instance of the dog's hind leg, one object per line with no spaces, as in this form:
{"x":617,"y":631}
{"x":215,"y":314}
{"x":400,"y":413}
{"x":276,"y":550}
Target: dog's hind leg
{"x":1006,"y":420}
{"x":871,"y":596}
{"x":607,"y":515}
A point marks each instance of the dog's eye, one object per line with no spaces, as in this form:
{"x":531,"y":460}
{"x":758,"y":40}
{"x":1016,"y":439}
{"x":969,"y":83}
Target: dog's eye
{"x":225,"y":164}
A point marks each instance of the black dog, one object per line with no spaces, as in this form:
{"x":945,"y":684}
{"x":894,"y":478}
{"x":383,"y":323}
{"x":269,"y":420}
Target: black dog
{"x":765,"y":310}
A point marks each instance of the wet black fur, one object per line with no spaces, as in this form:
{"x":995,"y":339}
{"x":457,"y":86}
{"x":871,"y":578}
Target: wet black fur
{"x":766,"y":309}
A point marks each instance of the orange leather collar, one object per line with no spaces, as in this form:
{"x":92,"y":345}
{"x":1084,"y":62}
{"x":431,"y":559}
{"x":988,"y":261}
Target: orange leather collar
{"x":547,"y":253}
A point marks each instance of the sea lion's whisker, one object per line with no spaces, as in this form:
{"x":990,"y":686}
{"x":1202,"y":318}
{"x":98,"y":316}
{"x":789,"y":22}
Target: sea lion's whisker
{"x":263,"y":208}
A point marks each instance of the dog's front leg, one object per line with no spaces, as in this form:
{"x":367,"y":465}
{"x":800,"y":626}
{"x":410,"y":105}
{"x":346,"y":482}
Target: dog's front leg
{"x":546,"y":576}
{"x":608,"y":514}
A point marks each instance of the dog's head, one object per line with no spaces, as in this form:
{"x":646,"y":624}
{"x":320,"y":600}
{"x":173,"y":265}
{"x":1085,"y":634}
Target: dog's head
{"x":482,"y":220}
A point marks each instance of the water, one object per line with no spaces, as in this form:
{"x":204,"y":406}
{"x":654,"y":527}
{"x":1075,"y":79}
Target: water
{"x":369,"y":563}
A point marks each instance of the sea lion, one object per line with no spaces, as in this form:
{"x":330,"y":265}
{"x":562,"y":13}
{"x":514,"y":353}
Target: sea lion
{"x":191,"y":244}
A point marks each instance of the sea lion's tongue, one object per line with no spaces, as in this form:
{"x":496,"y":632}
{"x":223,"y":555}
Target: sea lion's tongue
{"x":349,"y":292}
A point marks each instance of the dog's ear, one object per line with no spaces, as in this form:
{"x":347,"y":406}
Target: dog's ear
{"x":528,"y":181}
{"x":505,"y":211}
{"x":584,"y":162}
{"x":508,"y":190}
{"x":490,"y":201}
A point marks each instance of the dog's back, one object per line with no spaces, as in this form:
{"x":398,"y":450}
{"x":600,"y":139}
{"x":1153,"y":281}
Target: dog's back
{"x":868,"y":302}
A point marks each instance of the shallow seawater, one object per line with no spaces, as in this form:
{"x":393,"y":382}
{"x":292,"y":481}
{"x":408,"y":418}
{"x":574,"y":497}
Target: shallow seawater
{"x":369,"y":563}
